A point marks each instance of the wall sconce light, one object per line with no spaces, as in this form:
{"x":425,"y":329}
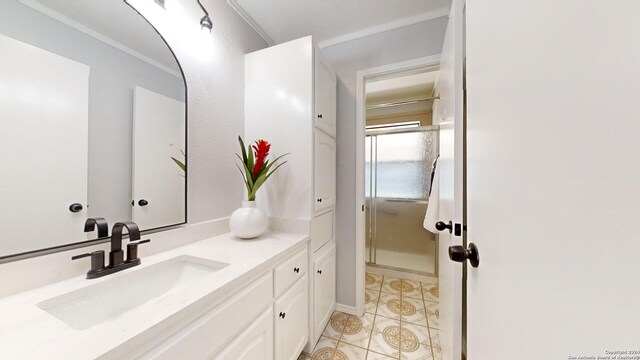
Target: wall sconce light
{"x":205,"y":22}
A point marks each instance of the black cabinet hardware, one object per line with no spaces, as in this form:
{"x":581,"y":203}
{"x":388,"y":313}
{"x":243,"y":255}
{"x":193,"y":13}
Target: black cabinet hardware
{"x":296,"y":270}
{"x":320,"y":272}
{"x":319,"y":200}
{"x":459,"y":254}
{"x":319,"y":116}
{"x":282,"y":315}
{"x":75,"y":207}
{"x":143,"y":202}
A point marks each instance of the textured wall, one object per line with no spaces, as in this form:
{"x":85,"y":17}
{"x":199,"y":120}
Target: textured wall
{"x":410,"y":42}
{"x":214,"y":69}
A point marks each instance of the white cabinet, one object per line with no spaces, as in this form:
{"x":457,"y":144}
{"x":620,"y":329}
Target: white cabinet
{"x":298,"y":116}
{"x":256,"y":342}
{"x":253,"y":323}
{"x":292,"y":321}
{"x":325,"y":97}
{"x":325,"y":171}
{"x":324,"y":288}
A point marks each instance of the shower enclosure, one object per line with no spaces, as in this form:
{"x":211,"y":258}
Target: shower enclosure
{"x":398,"y":180}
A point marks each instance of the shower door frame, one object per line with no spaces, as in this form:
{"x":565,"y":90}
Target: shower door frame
{"x":423,"y":64}
{"x":373,"y":208}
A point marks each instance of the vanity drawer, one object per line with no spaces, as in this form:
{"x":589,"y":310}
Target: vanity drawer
{"x":206,"y":335}
{"x":291,"y":270}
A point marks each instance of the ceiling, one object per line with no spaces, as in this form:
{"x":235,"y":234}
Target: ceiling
{"x":113,"y":22}
{"x":329,"y":20}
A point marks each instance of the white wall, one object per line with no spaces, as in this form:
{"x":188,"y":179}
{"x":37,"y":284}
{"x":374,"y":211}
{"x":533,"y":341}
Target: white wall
{"x":214,"y":68}
{"x":410,"y":42}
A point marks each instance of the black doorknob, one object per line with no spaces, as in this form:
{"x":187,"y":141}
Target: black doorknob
{"x":75,"y":207}
{"x":143,"y":202}
{"x":459,"y":254}
{"x":440,"y":226}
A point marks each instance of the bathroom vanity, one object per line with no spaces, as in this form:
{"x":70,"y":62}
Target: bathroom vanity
{"x":220,"y":298}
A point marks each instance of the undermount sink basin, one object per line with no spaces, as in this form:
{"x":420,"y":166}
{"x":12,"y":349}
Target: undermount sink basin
{"x":107,"y":300}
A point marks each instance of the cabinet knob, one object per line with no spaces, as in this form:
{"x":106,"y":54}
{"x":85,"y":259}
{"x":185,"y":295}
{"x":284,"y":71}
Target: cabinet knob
{"x":320,"y":272}
{"x":319,"y":116}
{"x":319,"y":200}
{"x":296,"y":270}
{"x":143,"y":202}
{"x":282,"y":315}
{"x":75,"y":207}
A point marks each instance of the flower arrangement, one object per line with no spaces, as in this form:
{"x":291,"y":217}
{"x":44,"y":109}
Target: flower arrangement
{"x":257,"y":169}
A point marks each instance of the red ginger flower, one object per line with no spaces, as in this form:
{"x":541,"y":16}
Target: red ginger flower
{"x":261,"y":151}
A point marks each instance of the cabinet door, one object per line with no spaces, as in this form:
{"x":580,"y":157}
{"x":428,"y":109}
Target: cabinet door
{"x":325,"y":171}
{"x":325,"y":98}
{"x":292,"y":321}
{"x":324,"y":288}
{"x":256,"y":342}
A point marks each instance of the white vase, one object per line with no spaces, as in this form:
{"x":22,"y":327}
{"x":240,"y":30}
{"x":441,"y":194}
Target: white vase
{"x":248,"y":222}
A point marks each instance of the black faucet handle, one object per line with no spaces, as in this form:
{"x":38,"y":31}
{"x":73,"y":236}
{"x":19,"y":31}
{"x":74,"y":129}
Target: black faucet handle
{"x":132,"y":250}
{"x":97,"y":260}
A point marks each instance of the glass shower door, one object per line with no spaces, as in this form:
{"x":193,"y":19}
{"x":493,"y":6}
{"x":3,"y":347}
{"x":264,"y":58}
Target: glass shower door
{"x":398,"y":180}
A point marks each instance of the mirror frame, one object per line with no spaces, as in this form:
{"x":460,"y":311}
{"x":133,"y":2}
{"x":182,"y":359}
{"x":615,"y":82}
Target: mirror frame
{"x":80,"y":244}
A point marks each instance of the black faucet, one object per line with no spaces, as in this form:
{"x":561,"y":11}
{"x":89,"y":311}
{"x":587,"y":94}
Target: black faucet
{"x":101,"y":223}
{"x":116,"y":255}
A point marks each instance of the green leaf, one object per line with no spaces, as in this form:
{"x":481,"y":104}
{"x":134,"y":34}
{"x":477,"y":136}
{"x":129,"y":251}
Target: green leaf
{"x":250,"y":163}
{"x":262,"y":179}
{"x":274,"y":162}
{"x":180,"y":164}
{"x":248,"y":178}
{"x":246,"y":183}
{"x":244,"y":153}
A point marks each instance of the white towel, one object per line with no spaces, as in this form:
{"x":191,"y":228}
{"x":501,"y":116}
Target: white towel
{"x":431,"y":217}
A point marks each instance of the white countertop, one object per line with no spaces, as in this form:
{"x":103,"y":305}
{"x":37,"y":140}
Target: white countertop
{"x":28,"y":332}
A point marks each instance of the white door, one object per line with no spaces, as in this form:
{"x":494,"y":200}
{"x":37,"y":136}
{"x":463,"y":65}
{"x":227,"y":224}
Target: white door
{"x":44,"y":113}
{"x":325,"y":171}
{"x":256,"y":342}
{"x":325,"y":97}
{"x":324,"y":288}
{"x":158,"y":180}
{"x":449,"y":114}
{"x":553,"y":179}
{"x":292,"y":321}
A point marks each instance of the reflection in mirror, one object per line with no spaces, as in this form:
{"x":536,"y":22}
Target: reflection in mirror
{"x":93,"y":116}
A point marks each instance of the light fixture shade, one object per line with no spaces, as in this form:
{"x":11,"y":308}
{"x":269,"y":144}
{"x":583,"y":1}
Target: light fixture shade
{"x":206,"y":23}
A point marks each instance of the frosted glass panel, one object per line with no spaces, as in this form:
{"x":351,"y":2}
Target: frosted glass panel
{"x":398,"y":171}
{"x":404,"y":164}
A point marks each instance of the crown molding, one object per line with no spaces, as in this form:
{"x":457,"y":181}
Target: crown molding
{"x":427,"y":16}
{"x":244,"y":15}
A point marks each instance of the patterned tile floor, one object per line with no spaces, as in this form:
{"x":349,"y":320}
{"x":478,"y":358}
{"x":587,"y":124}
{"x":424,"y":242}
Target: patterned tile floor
{"x":400,"y":322}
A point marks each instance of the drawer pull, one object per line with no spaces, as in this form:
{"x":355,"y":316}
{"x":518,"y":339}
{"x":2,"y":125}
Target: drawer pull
{"x":320,"y":272}
{"x":296,"y":270}
{"x":282,"y":315}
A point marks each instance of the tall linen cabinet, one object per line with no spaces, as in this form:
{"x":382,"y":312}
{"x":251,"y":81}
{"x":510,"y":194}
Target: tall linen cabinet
{"x":290,"y":101}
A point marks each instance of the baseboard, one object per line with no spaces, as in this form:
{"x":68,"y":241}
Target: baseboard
{"x":347,"y":309}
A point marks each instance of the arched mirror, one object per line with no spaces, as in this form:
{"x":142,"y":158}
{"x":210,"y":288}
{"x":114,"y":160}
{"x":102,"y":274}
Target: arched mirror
{"x":92,"y":123}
